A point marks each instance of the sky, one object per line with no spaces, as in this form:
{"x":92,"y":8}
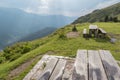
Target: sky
{"x":70,"y":8}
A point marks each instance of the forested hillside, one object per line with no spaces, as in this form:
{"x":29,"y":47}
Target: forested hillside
{"x":99,"y":15}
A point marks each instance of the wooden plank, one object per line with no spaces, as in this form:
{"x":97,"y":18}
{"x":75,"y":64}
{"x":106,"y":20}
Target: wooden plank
{"x":111,"y":67}
{"x":40,"y":67}
{"x":58,"y":71}
{"x":48,"y":69}
{"x":93,"y":27}
{"x":68,"y":70}
{"x":80,"y":67}
{"x":35,"y":68}
{"x":96,"y":70}
{"x":103,"y":31}
{"x":85,"y":31}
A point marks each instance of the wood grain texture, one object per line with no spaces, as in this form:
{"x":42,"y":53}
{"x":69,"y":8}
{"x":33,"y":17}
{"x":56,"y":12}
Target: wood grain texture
{"x":36,"y":68}
{"x":40,"y":67}
{"x":58,"y":71}
{"x":68,"y":70}
{"x":48,"y":69}
{"x":88,"y":65}
{"x":80,"y":67}
{"x":96,"y":70}
{"x":111,"y":67}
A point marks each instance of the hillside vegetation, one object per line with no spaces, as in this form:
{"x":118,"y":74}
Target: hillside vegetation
{"x":58,"y":44}
{"x":100,"y":14}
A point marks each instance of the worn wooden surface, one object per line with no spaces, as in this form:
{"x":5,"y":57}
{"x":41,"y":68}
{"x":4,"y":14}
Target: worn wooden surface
{"x":88,"y":65}
{"x":103,"y":31}
{"x":48,"y":69}
{"x":68,"y":70}
{"x":58,"y":71}
{"x":36,"y":68}
{"x":93,"y":27}
{"x":111,"y":67}
{"x":96,"y":70}
{"x":80,"y":68}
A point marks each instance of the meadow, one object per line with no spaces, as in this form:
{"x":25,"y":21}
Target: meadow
{"x":53,"y":45}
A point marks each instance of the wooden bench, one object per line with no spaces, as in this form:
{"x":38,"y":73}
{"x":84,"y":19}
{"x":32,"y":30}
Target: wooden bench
{"x":88,"y":65}
{"x":85,"y":34}
{"x":101,"y":33}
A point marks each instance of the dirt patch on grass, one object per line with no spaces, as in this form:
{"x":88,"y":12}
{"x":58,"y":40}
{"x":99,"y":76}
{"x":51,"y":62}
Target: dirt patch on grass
{"x":16,"y":72}
{"x":72,"y":34}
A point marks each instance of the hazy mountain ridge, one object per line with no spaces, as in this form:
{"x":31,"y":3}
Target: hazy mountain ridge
{"x":23,"y":52}
{"x":100,"y":14}
{"x":16,"y":24}
{"x":39,"y":34}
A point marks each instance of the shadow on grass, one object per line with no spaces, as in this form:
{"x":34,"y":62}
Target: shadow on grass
{"x":102,"y":40}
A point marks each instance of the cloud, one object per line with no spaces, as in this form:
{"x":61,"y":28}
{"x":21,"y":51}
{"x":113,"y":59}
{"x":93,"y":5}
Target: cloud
{"x":106,"y":3}
{"x":29,"y":10}
{"x":71,"y":7}
{"x":58,"y":7}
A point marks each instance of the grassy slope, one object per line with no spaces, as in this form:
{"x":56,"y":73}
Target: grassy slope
{"x":119,"y":16}
{"x":68,"y":47}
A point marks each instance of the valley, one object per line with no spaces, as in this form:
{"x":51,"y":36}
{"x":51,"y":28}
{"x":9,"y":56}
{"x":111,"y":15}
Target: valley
{"x":16,"y":24}
{"x":31,"y":36}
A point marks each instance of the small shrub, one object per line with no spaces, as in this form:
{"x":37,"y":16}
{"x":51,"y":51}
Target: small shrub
{"x":26,"y":49}
{"x":62,"y":34}
{"x":15,"y":56}
{"x":7,"y":55}
{"x":74,"y":29}
{"x":2,"y":59}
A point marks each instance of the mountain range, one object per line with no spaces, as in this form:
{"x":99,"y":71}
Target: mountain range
{"x":100,"y":14}
{"x":16,"y":24}
{"x":22,"y":56}
{"x":39,"y":34}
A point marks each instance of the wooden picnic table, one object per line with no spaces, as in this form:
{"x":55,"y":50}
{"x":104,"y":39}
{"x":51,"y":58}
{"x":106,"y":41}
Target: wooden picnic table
{"x":93,"y":27}
{"x":88,"y":65}
{"x":93,"y":30}
{"x":102,"y":31}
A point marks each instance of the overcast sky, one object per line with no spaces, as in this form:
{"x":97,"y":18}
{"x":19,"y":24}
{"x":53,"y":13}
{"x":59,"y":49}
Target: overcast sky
{"x":58,"y":7}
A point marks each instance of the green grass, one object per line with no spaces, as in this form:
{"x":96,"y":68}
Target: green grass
{"x":23,"y":73}
{"x":118,"y":17}
{"x":6,"y":67}
{"x":67,"y":47}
